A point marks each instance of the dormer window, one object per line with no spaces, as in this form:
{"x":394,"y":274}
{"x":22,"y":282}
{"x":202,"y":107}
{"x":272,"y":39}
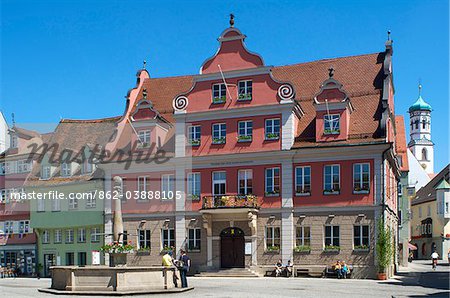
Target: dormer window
{"x":66,"y":169}
{"x":194,"y":135}
{"x":245,"y":90}
{"x":272,"y":129}
{"x":45,"y":172}
{"x":331,"y":123}
{"x":144,"y":138}
{"x":219,"y":93}
{"x":87,"y":167}
{"x":14,"y":141}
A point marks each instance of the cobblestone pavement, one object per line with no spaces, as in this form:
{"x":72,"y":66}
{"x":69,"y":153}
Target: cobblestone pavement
{"x":416,"y":281}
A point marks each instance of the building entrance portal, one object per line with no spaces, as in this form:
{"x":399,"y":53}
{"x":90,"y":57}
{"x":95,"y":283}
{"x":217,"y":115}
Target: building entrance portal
{"x":232,"y":248}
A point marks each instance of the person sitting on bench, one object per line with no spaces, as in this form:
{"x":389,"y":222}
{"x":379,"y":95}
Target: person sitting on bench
{"x":278,"y":268}
{"x":288,"y":269}
{"x":344,"y":270}
{"x":337,"y":269}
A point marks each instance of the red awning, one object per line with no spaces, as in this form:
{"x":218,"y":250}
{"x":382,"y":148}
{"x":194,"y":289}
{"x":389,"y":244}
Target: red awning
{"x":411,"y":247}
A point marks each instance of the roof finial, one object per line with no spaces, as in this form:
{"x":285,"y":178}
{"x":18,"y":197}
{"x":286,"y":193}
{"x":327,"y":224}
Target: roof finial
{"x":144,"y":63}
{"x":331,"y":71}
{"x":420,"y":89}
{"x":13,"y":120}
{"x":231,"y":20}
{"x":389,"y":34}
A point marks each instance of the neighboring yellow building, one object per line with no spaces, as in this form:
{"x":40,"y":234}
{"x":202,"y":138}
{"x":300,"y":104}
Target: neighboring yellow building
{"x":430,"y":217}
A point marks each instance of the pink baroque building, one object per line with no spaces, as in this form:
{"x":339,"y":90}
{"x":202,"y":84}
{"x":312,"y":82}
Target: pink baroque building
{"x":261,"y":162}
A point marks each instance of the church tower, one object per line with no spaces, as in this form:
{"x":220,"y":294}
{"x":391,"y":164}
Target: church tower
{"x":420,"y":142}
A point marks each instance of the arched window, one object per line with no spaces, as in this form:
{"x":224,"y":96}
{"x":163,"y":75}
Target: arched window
{"x":424,"y":154}
{"x":424,"y":124}
{"x":417,"y":124}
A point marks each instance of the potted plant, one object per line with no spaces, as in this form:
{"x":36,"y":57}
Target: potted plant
{"x":221,"y":140}
{"x":384,"y":248}
{"x":117,"y":252}
{"x":195,"y":142}
{"x":244,"y":96}
{"x":361,"y":248}
{"x":167,"y":249}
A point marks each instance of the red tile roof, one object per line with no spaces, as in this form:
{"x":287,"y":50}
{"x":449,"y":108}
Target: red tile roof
{"x":361,"y":77}
{"x":400,"y":142}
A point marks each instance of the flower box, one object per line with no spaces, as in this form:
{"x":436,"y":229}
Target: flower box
{"x":272,"y":249}
{"x":272,"y":193}
{"x":167,"y":249}
{"x":331,"y":192}
{"x":302,"y":249}
{"x":242,"y":139}
{"x":194,"y":142}
{"x":245,"y":97}
{"x":117,"y":259}
{"x":331,"y":131}
{"x":194,"y":197}
{"x":303,"y":194}
{"x":332,"y":249}
{"x":217,"y":141}
{"x":218,"y":100}
{"x":361,"y":248}
{"x":272,"y":136}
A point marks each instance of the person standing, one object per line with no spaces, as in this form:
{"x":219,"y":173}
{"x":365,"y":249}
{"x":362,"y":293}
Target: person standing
{"x":185,"y":265}
{"x":434,"y":257}
{"x":168,"y":262}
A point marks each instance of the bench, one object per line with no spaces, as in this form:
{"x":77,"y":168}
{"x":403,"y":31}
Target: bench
{"x":330,"y":272}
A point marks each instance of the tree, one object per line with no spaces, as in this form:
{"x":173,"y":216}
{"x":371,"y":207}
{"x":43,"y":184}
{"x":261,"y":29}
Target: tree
{"x":384,"y":246}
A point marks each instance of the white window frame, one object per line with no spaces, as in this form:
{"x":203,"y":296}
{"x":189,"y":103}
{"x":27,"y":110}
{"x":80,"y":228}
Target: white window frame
{"x":195,"y":240}
{"x":95,"y":235}
{"x":45,"y":237}
{"x":81,"y":235}
{"x":221,"y":130}
{"x":332,"y":191}
{"x":361,"y":183}
{"x":9,"y":227}
{"x":58,"y":236}
{"x":73,"y":203}
{"x":270,"y":129}
{"x":142,"y":186}
{"x":219,"y":181}
{"x":69,"y":236}
{"x":245,"y":90}
{"x":24,"y":227}
{"x":332,"y":237}
{"x":301,"y":240}
{"x":247,"y":175}
{"x":222,"y":91}
{"x":247,"y":130}
{"x":23,"y":166}
{"x":361,"y":236}
{"x":14,"y":141}
{"x":91,"y":200}
{"x":40,"y":205}
{"x":302,"y":183}
{"x":166,"y":242}
{"x":272,"y":192}
{"x":270,"y":240}
{"x":144,"y":138}
{"x":144,"y":239}
{"x":194,"y":185}
{"x":87,"y":167}
{"x":168,"y":186}
{"x":56,"y":205}
{"x":333,"y":123}
{"x":2,"y":168}
{"x":194,"y":135}
{"x":45,"y":172}
{"x":66,"y":169}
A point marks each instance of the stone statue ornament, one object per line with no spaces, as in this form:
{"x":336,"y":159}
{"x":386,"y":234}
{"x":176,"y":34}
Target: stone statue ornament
{"x":118,"y":222}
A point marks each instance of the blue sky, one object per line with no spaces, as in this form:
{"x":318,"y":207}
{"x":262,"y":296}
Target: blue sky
{"x":77,"y":59}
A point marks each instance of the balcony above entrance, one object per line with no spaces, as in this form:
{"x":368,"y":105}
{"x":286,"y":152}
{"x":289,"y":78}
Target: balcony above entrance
{"x":230,"y":203}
